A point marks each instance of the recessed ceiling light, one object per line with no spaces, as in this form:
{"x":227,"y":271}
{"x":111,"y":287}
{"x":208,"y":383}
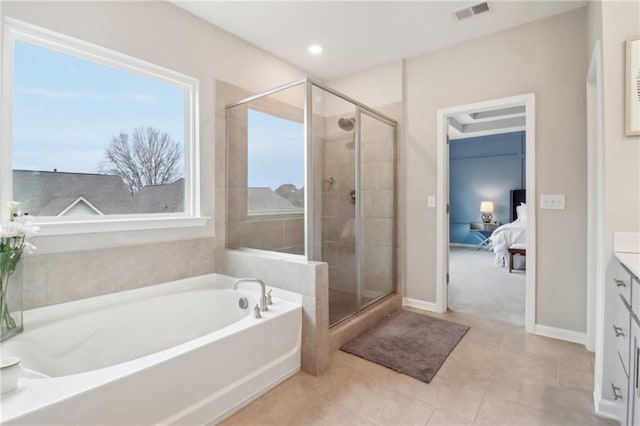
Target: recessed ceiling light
{"x":315,"y":49}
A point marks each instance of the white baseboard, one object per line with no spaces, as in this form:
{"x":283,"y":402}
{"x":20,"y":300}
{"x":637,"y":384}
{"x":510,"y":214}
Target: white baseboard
{"x":606,"y":408}
{"x":560,"y":334}
{"x":419,"y":304}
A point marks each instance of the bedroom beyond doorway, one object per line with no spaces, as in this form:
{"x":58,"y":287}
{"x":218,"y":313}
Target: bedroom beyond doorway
{"x":486,"y":185}
{"x":477,"y":286}
{"x":487,"y":221}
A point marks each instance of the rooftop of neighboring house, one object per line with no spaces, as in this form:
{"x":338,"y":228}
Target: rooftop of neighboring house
{"x":54,"y":193}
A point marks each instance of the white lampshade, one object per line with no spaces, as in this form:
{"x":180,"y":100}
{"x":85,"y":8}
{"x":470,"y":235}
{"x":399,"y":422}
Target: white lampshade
{"x":486,"y":207}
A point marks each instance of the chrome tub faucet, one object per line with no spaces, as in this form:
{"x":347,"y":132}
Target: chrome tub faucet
{"x":263,"y":290}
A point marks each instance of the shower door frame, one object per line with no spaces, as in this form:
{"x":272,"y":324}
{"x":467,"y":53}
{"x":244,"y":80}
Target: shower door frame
{"x":360,"y":207}
{"x":309,"y":211}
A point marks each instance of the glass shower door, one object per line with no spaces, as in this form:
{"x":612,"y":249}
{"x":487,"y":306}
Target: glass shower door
{"x":334,"y":147}
{"x":376,"y":208}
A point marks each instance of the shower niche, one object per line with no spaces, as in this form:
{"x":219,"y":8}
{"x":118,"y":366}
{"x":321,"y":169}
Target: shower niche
{"x":312,"y":173}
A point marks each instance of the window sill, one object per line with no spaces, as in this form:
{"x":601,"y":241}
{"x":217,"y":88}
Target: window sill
{"x":294,"y":214}
{"x":68,"y":227}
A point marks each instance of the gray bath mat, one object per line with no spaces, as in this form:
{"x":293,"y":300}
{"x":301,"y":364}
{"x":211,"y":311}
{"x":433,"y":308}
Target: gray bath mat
{"x":412,"y":344}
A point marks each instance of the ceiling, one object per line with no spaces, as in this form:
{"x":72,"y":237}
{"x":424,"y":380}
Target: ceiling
{"x":487,"y":122}
{"x":357,"y":35}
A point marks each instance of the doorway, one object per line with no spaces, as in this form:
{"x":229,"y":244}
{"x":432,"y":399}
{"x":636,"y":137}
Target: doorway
{"x":515,"y":117}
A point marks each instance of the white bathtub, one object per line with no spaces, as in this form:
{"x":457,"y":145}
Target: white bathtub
{"x":181,"y":352}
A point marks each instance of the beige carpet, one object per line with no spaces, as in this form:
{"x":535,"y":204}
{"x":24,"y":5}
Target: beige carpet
{"x":479,"y":287}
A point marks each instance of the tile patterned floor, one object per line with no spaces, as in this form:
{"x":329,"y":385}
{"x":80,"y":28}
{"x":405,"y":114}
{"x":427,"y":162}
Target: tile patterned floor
{"x":497,"y":374}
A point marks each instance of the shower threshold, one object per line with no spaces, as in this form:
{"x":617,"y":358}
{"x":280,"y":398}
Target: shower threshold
{"x":342,"y":305}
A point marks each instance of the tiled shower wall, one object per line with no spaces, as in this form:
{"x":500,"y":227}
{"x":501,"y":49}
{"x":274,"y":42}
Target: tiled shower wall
{"x":377,"y":184}
{"x":338,"y":223}
{"x":63,"y":277}
{"x":338,"y":214}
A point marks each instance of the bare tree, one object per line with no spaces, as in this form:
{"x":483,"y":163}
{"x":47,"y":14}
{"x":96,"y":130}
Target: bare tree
{"x":149,"y":158}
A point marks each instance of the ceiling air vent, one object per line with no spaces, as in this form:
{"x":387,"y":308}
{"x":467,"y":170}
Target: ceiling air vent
{"x":472,"y":11}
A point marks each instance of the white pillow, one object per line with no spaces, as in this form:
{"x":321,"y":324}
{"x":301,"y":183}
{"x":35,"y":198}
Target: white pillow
{"x":521,"y":212}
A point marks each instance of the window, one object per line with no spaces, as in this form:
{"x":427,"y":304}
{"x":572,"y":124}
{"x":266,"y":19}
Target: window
{"x":275,"y":169}
{"x":96,"y":135}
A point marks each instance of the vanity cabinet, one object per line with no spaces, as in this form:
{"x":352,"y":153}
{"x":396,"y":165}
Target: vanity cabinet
{"x":633,"y":411}
{"x":626,"y":329}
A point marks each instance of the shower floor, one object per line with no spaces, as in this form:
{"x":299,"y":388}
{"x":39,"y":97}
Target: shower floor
{"x":342,"y":304}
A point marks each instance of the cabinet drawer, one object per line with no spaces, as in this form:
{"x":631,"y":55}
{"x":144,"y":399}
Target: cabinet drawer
{"x":621,"y":329}
{"x":620,"y":393}
{"x":622,"y":280}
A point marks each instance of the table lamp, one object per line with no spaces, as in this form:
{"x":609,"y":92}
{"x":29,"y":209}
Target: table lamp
{"x":486,"y":208}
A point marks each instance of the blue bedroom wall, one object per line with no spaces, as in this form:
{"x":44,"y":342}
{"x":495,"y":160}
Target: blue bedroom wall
{"x":484,"y":168}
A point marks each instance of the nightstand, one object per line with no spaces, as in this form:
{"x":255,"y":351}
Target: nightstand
{"x":482,"y":232}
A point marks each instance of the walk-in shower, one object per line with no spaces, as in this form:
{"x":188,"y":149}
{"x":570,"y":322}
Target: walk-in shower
{"x":312,"y":172}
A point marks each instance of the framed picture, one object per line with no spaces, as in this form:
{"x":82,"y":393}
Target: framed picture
{"x":632,"y":127}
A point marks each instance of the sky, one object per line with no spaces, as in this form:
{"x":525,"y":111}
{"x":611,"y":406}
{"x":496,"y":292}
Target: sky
{"x":67,"y":109}
{"x":276,"y":151}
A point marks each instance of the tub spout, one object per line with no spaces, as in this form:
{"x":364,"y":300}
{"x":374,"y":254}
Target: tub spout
{"x":263,"y":290}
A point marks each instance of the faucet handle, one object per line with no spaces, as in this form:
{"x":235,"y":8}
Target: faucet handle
{"x":269,"y":298}
{"x":256,"y":312}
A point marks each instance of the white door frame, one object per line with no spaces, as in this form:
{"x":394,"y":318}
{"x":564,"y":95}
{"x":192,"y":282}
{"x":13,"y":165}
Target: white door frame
{"x":595,"y":195}
{"x":442,"y":198}
{"x":595,"y":222}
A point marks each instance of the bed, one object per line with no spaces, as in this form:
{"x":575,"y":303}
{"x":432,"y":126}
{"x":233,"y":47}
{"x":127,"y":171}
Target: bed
{"x":511,"y":233}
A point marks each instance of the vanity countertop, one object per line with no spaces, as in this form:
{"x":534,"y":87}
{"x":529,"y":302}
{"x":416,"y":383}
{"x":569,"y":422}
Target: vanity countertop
{"x":631,"y":261}
{"x":626,"y":246}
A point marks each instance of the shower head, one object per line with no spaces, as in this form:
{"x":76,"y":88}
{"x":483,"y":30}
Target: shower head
{"x":346,"y":124}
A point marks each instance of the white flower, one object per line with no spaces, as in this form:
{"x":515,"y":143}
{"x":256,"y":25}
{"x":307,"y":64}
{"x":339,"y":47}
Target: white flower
{"x":18,"y":229}
{"x":14,"y":207}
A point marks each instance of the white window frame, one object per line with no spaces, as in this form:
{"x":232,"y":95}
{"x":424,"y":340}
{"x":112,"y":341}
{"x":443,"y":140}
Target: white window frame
{"x":15,"y":30}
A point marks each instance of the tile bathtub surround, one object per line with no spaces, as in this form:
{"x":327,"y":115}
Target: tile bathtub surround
{"x":63,"y":277}
{"x":497,"y":374}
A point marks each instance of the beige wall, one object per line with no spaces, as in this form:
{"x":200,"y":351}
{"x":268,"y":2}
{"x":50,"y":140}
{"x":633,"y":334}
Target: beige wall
{"x":620,"y":20}
{"x":376,"y":87}
{"x":612,"y":23}
{"x":162,"y":34}
{"x":547,"y":58}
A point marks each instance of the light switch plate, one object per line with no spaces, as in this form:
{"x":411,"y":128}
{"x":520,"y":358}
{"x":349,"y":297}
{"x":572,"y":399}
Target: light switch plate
{"x":552,"y":201}
{"x":431,"y":201}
